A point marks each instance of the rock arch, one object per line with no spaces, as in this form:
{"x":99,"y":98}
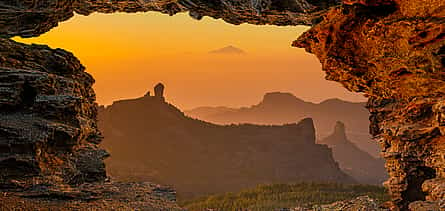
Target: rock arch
{"x":391,"y":50}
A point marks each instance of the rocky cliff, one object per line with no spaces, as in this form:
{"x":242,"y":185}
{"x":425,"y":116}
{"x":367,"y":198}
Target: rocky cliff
{"x":32,"y":18}
{"x":151,"y":140}
{"x":47,"y":122}
{"x":49,"y":138}
{"x":394,"y":51}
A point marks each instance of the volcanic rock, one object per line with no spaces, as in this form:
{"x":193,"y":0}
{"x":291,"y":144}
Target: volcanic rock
{"x":394,"y":52}
{"x":359,"y":203}
{"x":48,"y":119}
{"x":159,"y":91}
{"x":32,"y":18}
{"x":94,"y":196}
{"x":49,"y":154}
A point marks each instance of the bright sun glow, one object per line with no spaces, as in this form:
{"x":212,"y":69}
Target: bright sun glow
{"x":128,"y":53}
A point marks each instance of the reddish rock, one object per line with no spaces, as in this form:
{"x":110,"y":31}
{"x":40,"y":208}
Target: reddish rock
{"x":372,"y":3}
{"x":32,"y":18}
{"x":395,"y":54}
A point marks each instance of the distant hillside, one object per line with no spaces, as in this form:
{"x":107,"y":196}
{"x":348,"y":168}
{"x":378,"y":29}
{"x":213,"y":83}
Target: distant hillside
{"x":150,"y":139}
{"x":354,"y":161}
{"x":281,"y":108}
{"x":285,"y":197}
{"x":228,"y":50}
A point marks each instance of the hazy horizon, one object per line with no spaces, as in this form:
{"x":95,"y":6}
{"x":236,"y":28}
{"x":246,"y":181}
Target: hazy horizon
{"x":128,"y":54}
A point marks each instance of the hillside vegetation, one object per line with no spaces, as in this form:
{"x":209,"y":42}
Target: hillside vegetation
{"x":281,"y":196}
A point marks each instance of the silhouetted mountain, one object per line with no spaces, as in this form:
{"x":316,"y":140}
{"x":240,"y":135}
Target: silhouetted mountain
{"x":354,"y":161}
{"x":150,"y":139}
{"x":228,"y":50}
{"x":281,"y":108}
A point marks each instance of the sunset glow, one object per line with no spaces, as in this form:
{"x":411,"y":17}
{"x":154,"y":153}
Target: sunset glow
{"x":128,"y":53}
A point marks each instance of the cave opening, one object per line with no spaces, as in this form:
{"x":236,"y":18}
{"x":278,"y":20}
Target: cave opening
{"x":415,"y":180}
{"x":28,"y":95}
{"x":396,"y":58}
{"x":234,"y":66}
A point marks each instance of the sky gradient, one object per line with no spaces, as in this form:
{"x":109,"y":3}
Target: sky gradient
{"x":129,"y":53}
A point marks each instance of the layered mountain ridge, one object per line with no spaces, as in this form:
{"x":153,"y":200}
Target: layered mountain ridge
{"x":280,"y":108}
{"x":391,"y":50}
{"x":150,"y":139}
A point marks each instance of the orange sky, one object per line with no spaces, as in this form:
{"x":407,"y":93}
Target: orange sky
{"x":128,"y":53}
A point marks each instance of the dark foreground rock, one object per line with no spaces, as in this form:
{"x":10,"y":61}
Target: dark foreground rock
{"x":365,"y":203}
{"x":362,"y":203}
{"x":32,"y":18}
{"x":392,"y":50}
{"x":47,"y":119}
{"x":93,"y":196}
{"x":49,"y":153}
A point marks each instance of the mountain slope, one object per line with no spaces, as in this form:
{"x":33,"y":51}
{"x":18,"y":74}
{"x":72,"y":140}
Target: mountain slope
{"x":150,"y":139}
{"x":228,"y":50}
{"x":354,"y":161}
{"x":280,"y":108}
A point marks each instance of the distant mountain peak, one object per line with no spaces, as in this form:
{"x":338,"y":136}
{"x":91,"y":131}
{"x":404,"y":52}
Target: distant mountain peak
{"x":279,"y":94}
{"x":158,"y":90}
{"x":340,"y":129}
{"x":277,"y":98}
{"x":337,"y":101}
{"x":230,"y":49}
{"x":358,"y":163}
{"x":307,"y":128}
{"x":339,"y":134}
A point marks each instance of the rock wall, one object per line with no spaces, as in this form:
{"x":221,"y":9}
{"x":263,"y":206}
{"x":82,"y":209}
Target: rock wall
{"x":49,"y":138}
{"x":35,"y":17}
{"x":48,"y":118}
{"x":394,"y":52}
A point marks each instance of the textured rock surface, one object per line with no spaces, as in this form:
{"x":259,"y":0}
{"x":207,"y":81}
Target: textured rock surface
{"x":362,"y":203}
{"x":49,"y":138}
{"x":96,"y":196}
{"x":48,"y":118}
{"x":391,"y":50}
{"x":32,"y":18}
{"x":395,"y":53}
